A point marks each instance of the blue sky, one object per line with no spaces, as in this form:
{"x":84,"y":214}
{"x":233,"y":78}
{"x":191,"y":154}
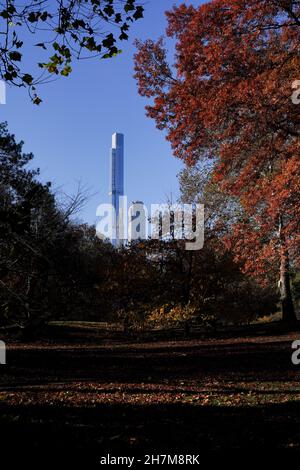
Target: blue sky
{"x":70,"y":132}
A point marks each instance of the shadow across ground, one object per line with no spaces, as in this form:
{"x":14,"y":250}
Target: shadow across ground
{"x":135,"y":430}
{"x":36,"y":419}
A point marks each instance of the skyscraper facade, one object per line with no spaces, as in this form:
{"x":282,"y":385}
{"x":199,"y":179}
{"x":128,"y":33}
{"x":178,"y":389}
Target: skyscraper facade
{"x":117,"y":184}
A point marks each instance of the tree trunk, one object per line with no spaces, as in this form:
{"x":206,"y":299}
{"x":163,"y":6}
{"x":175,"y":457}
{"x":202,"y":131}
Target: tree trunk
{"x":287,"y":306}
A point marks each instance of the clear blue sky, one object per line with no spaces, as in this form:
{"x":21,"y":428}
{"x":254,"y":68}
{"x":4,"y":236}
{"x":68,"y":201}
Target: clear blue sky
{"x":70,"y":132}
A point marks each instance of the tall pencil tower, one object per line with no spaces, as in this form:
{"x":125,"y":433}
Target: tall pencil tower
{"x":117,"y":182}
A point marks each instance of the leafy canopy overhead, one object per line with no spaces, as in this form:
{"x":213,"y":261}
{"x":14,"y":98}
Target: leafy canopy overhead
{"x":66,"y":29}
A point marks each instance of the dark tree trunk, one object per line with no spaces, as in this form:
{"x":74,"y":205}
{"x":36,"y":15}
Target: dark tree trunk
{"x":284,"y":285}
{"x":287,"y":305}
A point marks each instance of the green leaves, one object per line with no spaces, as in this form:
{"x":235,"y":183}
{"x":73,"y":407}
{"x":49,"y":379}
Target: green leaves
{"x":79,"y":24}
{"x":28,"y":79}
{"x":44,"y":16}
{"x":114,"y":52}
{"x":33,"y":17}
{"x":8,"y":12}
{"x":37,"y":100}
{"x":91,"y":45}
{"x":4,"y":14}
{"x":10,"y":76}
{"x":123,"y":36}
{"x":118,"y":18}
{"x":18,"y":44}
{"x":66,"y":71}
{"x":59,"y":62}
{"x":109,"y":10}
{"x":129,"y":6}
{"x":139,"y":13}
{"x":83,"y":29}
{"x":109,"y":41}
{"x":15,"y":56}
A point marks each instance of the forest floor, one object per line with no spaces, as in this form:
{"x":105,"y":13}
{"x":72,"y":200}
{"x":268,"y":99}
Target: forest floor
{"x":99,"y":394}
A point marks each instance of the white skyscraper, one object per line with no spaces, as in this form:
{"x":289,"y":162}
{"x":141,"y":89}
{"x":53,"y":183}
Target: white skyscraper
{"x":117,"y":183}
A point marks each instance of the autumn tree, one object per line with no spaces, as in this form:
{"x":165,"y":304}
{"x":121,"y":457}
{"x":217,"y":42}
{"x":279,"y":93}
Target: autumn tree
{"x":131,"y":284}
{"x":227,"y":99}
{"x":63,"y":31}
{"x":222,"y":210}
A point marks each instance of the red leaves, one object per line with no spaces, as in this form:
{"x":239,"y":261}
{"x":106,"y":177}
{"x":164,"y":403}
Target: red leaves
{"x":231,"y":101}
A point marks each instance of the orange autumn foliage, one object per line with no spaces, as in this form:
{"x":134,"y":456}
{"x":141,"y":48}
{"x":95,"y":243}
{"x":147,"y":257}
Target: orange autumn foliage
{"x":228,"y":97}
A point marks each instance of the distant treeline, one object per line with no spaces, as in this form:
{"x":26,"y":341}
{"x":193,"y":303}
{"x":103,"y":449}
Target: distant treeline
{"x":52,"y":268}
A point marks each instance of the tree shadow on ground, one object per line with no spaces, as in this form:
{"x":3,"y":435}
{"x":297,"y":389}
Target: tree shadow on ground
{"x":267,"y":362}
{"x":78,"y":429}
{"x":132,"y":430}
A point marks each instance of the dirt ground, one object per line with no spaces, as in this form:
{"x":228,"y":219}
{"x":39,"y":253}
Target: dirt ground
{"x":128,"y":397}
